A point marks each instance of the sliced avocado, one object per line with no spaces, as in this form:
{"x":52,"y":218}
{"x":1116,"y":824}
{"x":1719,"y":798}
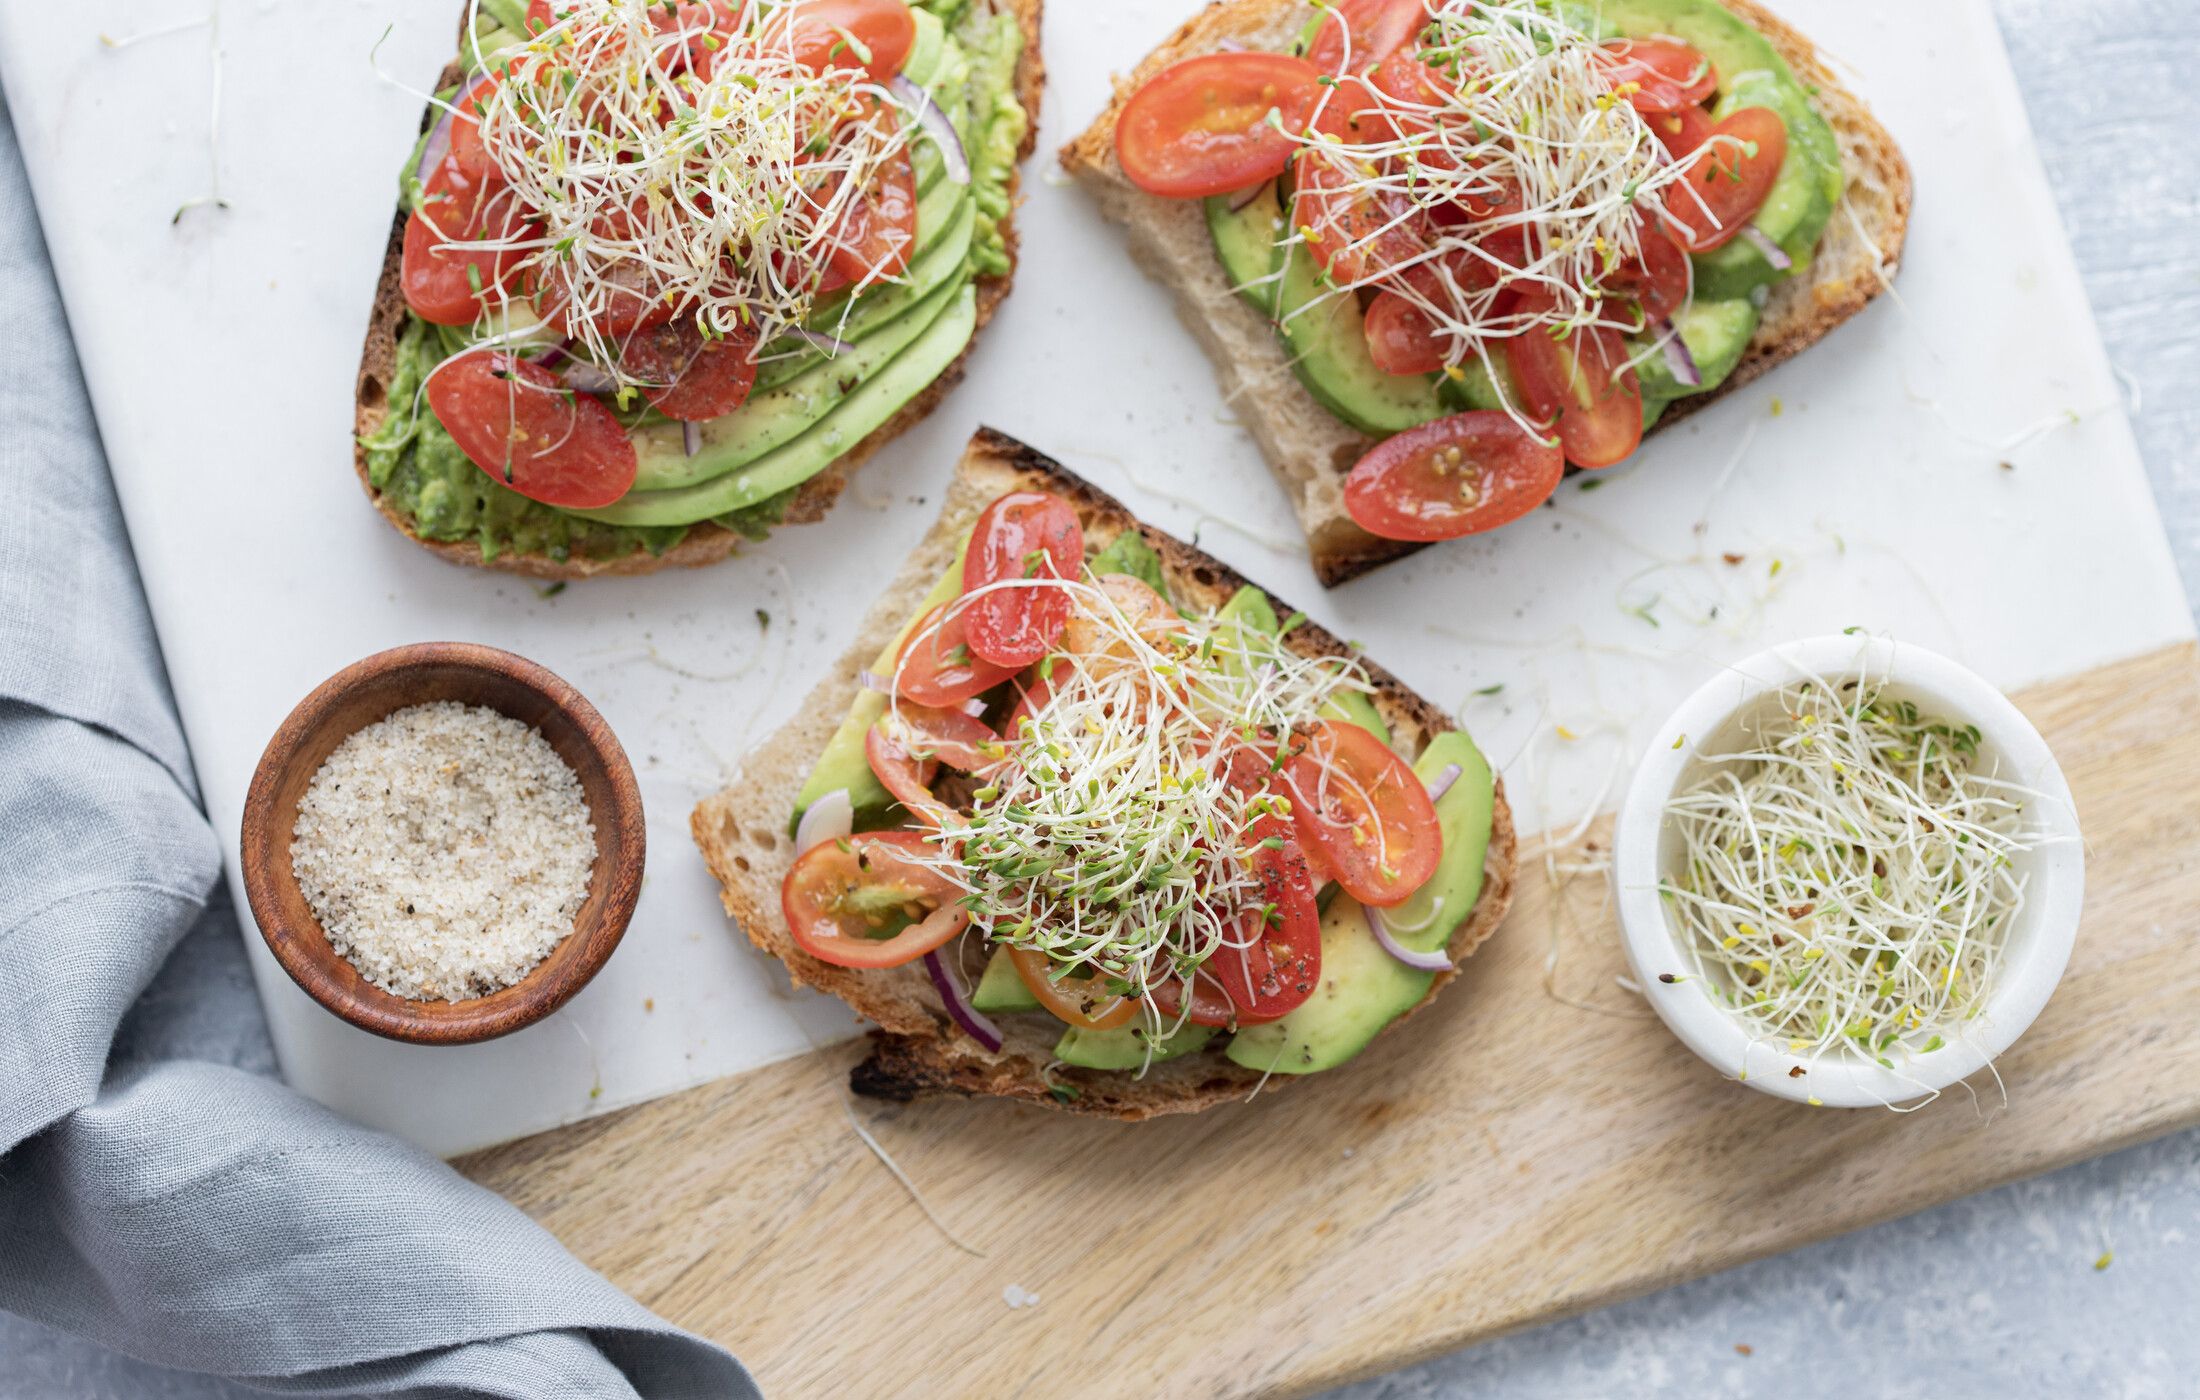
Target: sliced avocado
{"x":1002,"y":987}
{"x":1794,"y":213}
{"x":1323,"y":332}
{"x":1715,"y":332}
{"x":952,"y":215}
{"x":924,"y":53}
{"x":865,"y":407}
{"x":1248,"y":610}
{"x":1356,"y":708}
{"x":842,"y":764}
{"x":1245,"y":240}
{"x":1362,"y":987}
{"x":1125,"y":1046}
{"x":776,"y":417}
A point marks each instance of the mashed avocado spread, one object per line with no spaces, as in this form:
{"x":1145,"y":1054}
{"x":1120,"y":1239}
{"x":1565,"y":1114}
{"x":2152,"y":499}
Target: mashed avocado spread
{"x":806,"y":410}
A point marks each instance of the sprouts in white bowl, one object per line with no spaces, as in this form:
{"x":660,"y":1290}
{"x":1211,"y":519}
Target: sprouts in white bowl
{"x":1849,"y":872}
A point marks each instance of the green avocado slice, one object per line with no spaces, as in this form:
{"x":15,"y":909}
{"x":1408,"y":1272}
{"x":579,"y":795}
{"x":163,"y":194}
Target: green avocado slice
{"x":1362,"y":987}
{"x":1125,"y":1046}
{"x":1001,"y":988}
{"x":778,"y":416}
{"x":1715,"y":332}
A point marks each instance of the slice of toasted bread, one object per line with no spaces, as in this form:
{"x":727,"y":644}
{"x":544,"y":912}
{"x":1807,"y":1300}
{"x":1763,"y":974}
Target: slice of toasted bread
{"x":706,"y":543}
{"x":919,"y":1050}
{"x":1309,"y":449}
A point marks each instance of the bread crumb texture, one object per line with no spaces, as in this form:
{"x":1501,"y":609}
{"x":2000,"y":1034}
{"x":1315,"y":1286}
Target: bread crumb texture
{"x":445,"y":849}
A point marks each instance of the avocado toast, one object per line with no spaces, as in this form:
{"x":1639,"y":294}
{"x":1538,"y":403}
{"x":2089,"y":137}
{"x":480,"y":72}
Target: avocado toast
{"x":1298,"y":348}
{"x":832,"y":373}
{"x":829,"y":762}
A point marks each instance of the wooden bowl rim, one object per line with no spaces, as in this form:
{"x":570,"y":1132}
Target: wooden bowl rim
{"x":307,"y":955}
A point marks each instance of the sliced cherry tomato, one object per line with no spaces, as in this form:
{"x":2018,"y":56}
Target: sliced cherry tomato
{"x":1281,"y":961}
{"x":1657,"y":279}
{"x":875,"y":235}
{"x":937,"y":667}
{"x":873,"y":35}
{"x":519,"y":423}
{"x":903,"y":774}
{"x":1200,"y":127}
{"x":1668,"y":75}
{"x":1376,"y":28}
{"x":692,"y":376}
{"x":1579,"y":384}
{"x":1402,"y":338}
{"x":467,"y":152}
{"x":1679,"y":131}
{"x":1451,"y":477}
{"x":632,"y":299}
{"x":1211,"y":1005}
{"x":1083,"y":1002}
{"x":449,"y":286}
{"x":1355,"y":231}
{"x":1097,"y":635}
{"x":840,"y":895}
{"x":1365,"y":810}
{"x":1033,"y":694}
{"x":1728,"y":184}
{"x":1404,"y":78}
{"x":1021,"y":535}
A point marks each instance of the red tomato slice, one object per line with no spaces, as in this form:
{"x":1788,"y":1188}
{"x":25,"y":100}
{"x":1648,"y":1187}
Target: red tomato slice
{"x":519,"y":423}
{"x":1402,"y":338}
{"x":1356,"y":234}
{"x":467,"y":152}
{"x":1455,"y":476}
{"x":1083,"y":1002}
{"x":879,"y":227}
{"x":1377,"y":28}
{"x":1578,"y":386}
{"x":937,"y":667}
{"x":1366,"y":811}
{"x":1097,"y":635}
{"x":632,"y":301}
{"x":1668,"y":75}
{"x":1033,"y":694}
{"x":1282,"y":960}
{"x":1679,"y":131}
{"x":873,"y":35}
{"x":904,"y":775}
{"x":1657,"y":279}
{"x":694,"y":377}
{"x":1211,"y":1005}
{"x":840,"y":895}
{"x":1021,"y":535}
{"x":1200,"y":127}
{"x":449,"y":286}
{"x":1729,"y":184}
{"x":947,"y":735}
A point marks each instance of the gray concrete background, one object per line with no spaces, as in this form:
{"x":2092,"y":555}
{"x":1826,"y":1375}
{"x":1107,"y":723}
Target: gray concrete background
{"x":1995,"y":1294}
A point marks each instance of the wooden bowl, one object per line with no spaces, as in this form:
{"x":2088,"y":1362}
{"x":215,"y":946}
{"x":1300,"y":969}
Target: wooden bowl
{"x":370,"y":690}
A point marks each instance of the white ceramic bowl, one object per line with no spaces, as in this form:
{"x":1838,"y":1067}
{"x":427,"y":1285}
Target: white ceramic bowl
{"x":1712,"y":721}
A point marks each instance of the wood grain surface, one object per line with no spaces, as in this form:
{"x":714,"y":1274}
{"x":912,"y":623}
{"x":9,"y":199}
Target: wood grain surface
{"x":1534,"y":1145}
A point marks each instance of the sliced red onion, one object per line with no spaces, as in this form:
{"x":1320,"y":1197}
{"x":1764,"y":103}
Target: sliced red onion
{"x":1444,"y":780}
{"x":1677,"y":358}
{"x":872,"y":680}
{"x":932,"y":119}
{"x":973,"y":707}
{"x":1246,"y":196}
{"x":1773,"y":252}
{"x":691,"y":437}
{"x":1420,"y":962}
{"x":958,"y":1006}
{"x":830,"y":818}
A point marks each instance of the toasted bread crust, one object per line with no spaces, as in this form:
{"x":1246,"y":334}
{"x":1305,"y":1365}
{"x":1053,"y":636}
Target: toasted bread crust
{"x":706,"y":543}
{"x":918,"y":1050}
{"x":1309,"y":449}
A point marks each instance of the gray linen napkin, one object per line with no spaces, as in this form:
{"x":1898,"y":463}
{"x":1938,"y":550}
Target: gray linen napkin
{"x":192,"y":1214}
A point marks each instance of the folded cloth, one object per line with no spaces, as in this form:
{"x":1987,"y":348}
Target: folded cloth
{"x":193,"y":1214}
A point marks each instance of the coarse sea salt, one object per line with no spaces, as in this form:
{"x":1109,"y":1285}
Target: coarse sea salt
{"x":445,"y":849}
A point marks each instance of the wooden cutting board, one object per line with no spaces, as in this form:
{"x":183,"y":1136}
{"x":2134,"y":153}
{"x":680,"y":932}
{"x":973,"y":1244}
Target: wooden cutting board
{"x":1532,"y":1145}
